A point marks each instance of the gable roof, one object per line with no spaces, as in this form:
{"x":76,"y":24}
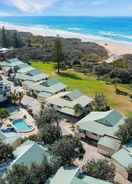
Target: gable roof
{"x":35,"y":78}
{"x":50,"y":86}
{"x":92,"y":123}
{"x":30,"y":152}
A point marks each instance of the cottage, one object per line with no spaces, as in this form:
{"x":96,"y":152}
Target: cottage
{"x":14,"y":64}
{"x":66,"y":102}
{"x":44,"y":88}
{"x":67,"y":175}
{"x":123,"y":160}
{"x":102,"y":127}
{"x":32,"y":75}
{"x":98,"y":124}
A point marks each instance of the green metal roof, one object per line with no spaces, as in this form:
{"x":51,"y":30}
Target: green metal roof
{"x":110,"y":142}
{"x":124,"y":156}
{"x":51,"y":82}
{"x":30,"y":152}
{"x":111,"y":119}
{"x":90,"y":123}
{"x":74,"y":95}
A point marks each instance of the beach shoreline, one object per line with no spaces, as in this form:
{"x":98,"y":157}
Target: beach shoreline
{"x":113,"y":47}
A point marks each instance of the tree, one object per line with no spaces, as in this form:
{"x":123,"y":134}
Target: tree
{"x":100,"y":102}
{"x":17,"y":42}
{"x":100,"y":169}
{"x":50,"y":133}
{"x":6,"y":152}
{"x":67,"y":149}
{"x":48,"y":115}
{"x":4,"y":39}
{"x":18,"y":174}
{"x":3,"y":113}
{"x":58,"y":53}
{"x":125,"y":131}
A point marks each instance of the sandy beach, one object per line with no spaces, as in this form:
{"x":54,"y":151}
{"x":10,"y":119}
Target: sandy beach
{"x":113,"y":47}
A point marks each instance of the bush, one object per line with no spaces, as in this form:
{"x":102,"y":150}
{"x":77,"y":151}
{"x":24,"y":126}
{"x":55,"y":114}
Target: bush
{"x":3,"y":113}
{"x":100,"y":169}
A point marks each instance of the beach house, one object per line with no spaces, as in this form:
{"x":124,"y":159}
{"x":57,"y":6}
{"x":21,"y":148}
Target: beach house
{"x":102,"y":127}
{"x":123,"y":160}
{"x":71,"y":103}
{"x":45,"y":88}
{"x":70,"y":175}
{"x":16,"y":65}
{"x":33,"y":75}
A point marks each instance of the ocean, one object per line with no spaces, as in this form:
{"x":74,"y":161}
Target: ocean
{"x":117,"y":29}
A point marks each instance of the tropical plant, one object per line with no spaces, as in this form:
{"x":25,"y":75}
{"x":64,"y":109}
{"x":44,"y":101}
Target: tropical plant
{"x":101,"y":169}
{"x":16,"y":97}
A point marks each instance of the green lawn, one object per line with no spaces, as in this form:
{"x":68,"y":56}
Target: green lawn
{"x":88,"y":84}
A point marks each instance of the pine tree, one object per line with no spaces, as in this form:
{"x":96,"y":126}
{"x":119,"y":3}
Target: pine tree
{"x":16,"y":41}
{"x":4,"y":40}
{"x":58,"y":53}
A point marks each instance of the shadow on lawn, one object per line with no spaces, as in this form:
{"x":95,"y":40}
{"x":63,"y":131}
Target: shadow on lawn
{"x":70,"y":75}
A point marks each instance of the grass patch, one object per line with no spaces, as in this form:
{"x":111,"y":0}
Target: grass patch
{"x":89,"y":85}
{"x":46,"y":68}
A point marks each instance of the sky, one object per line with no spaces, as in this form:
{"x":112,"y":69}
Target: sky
{"x":66,"y":7}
